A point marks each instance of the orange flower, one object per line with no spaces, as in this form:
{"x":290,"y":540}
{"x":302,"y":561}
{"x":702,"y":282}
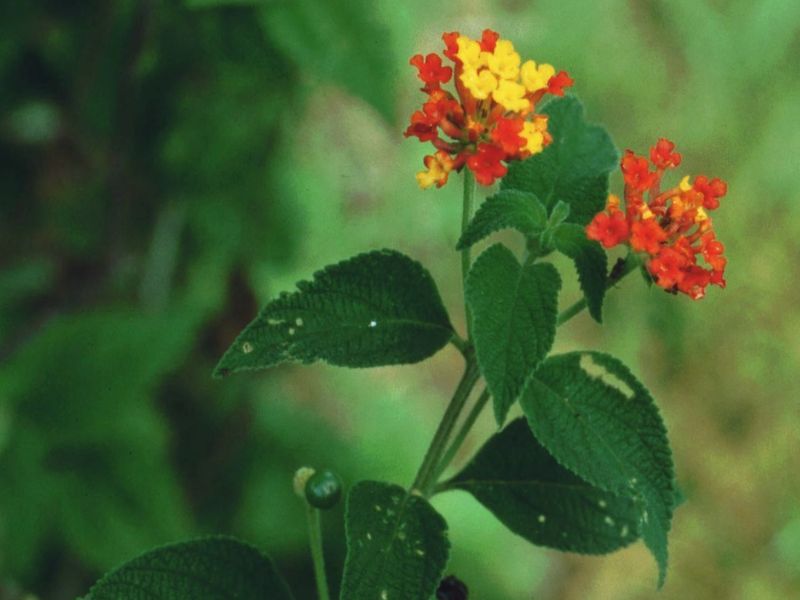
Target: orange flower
{"x":491,"y":119}
{"x":671,"y":228}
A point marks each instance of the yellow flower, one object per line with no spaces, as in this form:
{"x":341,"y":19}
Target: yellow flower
{"x":479,"y":83}
{"x":511,"y":96}
{"x":535,"y":78}
{"x":504,"y":61}
{"x":470,"y":54}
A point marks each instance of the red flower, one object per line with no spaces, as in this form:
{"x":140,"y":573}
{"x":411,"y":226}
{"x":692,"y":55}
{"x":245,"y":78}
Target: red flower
{"x":712,"y":190}
{"x":486,"y":165}
{"x":662,"y":155}
{"x":646,"y":236}
{"x":636,"y":172}
{"x":672,"y":228}
{"x":608,"y":229}
{"x":506,"y":134}
{"x":558,"y":82}
{"x":431,"y":71}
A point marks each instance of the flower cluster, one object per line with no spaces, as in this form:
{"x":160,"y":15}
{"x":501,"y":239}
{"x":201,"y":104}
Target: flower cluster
{"x":492,"y":119}
{"x":673,"y":228}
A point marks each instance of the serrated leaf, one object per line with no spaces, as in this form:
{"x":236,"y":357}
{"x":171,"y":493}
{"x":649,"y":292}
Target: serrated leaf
{"x":506,"y":209}
{"x":216,"y":568}
{"x":342,"y":41}
{"x":535,"y":497}
{"x":514,"y":311}
{"x":397,"y":544}
{"x":574,"y":168}
{"x":380,"y":308}
{"x":600,"y":422}
{"x":590,"y":260}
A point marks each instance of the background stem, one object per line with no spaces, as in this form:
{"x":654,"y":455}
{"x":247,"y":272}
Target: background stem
{"x":317,"y":556}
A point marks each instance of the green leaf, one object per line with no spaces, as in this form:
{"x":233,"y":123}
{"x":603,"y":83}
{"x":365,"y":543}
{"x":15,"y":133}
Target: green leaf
{"x":574,"y":168}
{"x":215,"y":568}
{"x":535,"y":497}
{"x":509,"y":208}
{"x":514,"y":311}
{"x":597,"y":420}
{"x":342,"y":41}
{"x":591,"y":263}
{"x":397,"y":544}
{"x":380,"y":308}
{"x":559,"y":214}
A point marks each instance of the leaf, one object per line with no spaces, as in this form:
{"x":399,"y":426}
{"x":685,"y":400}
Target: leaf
{"x":339,"y":40}
{"x":591,"y":262}
{"x":514,"y":311}
{"x":509,"y":208}
{"x":380,"y":308}
{"x":214,"y":568}
{"x":397,"y":544}
{"x":559,"y":214}
{"x":535,"y":497}
{"x":574,"y":168}
{"x":598,"y":421}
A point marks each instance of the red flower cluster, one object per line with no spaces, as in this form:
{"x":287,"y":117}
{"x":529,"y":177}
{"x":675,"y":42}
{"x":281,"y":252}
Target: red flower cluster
{"x":492,"y":119}
{"x":672,"y":228}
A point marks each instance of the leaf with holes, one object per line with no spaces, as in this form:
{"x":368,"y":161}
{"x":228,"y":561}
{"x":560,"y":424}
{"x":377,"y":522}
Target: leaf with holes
{"x":215,"y":568}
{"x":397,"y":544}
{"x":535,"y":497}
{"x":380,"y":308}
{"x":601,"y":423}
{"x":574,"y":168}
{"x":591,"y":263}
{"x":509,"y":208}
{"x":514,"y":311}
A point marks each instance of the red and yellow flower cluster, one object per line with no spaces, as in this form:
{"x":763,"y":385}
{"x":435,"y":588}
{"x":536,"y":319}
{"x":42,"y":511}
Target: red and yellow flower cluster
{"x":492,"y":119}
{"x":672,"y":228}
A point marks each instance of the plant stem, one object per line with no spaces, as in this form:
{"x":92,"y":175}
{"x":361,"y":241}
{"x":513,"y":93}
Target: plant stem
{"x":466,"y":426}
{"x":630,"y":264}
{"x":317,"y":556}
{"x":427,"y":471}
{"x":466,"y":217}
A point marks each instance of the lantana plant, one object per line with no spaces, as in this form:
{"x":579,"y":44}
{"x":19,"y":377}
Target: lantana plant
{"x":587,"y":468}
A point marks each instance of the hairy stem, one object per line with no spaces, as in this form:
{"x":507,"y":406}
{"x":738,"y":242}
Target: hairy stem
{"x":425,"y":478}
{"x":317,"y":556}
{"x":466,"y":216}
{"x":466,"y":427}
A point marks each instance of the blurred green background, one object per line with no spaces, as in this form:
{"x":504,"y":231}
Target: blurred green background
{"x":167,"y":167}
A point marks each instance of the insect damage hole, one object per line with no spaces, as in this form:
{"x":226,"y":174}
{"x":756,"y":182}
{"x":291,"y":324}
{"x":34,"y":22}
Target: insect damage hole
{"x":598,"y":371}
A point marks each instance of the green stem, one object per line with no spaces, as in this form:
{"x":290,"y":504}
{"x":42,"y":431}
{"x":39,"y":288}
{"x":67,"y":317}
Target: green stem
{"x":466,"y":217}
{"x":317,"y":556}
{"x":460,"y":343}
{"x":427,"y":471}
{"x":458,"y":440}
{"x":631,"y":263}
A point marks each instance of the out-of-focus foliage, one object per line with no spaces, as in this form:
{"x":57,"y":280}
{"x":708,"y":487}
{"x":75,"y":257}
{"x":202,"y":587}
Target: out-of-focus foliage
{"x":166,"y":168}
